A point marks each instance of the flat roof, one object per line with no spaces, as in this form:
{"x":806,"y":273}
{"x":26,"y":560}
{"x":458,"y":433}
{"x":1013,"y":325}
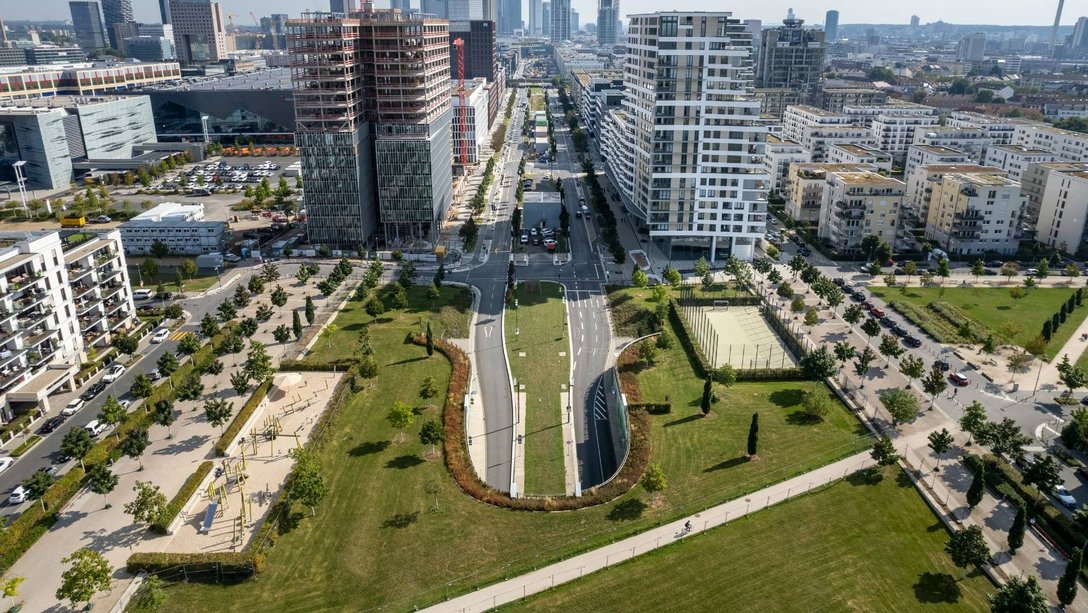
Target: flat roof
{"x":814,"y":110}
{"x":85,"y":248}
{"x":861,"y":150}
{"x":866,"y":177}
{"x":960,"y":168}
{"x":990,"y":179}
{"x":265,"y":79}
{"x":939,"y":149}
{"x":1023,"y":150}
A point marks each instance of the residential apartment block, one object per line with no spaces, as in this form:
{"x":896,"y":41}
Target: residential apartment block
{"x":816,"y":130}
{"x":1016,"y":158}
{"x":860,"y":154}
{"x":780,"y":154}
{"x":859,"y":204}
{"x":835,"y":99}
{"x":804,"y":188}
{"x":1000,"y":130}
{"x":1034,"y":181}
{"x":921,"y":181}
{"x":972,"y":141}
{"x":893,"y":126}
{"x":791,"y":57}
{"x":1063,"y":211}
{"x":928,"y":155}
{"x":470,"y":127}
{"x":975,"y":214}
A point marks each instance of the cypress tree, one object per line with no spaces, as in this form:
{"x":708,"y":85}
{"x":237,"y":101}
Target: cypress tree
{"x":296,"y":324}
{"x":704,"y":404}
{"x":1047,"y":331}
{"x":309,"y":310}
{"x":1016,"y":531}
{"x":430,"y":341}
{"x":978,"y":486}
{"x":1067,"y":585}
{"x":753,"y":435}
{"x":1055,"y":321}
{"x":1080,"y":296}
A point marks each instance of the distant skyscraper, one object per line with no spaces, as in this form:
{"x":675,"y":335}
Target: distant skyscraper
{"x":914,"y":21}
{"x":560,"y":29}
{"x":791,"y":57}
{"x":343,"y":6}
{"x":404,"y":5}
{"x":536,"y":17}
{"x":438,"y":8}
{"x":546,"y":18}
{"x":574,"y":20}
{"x":466,"y":10}
{"x":608,"y":13}
{"x":199,"y":34}
{"x":1079,"y":39}
{"x":509,"y":16}
{"x":116,"y":12}
{"x":972,"y":48}
{"x":164,"y":11}
{"x":87,"y":23}
{"x":831,"y":25}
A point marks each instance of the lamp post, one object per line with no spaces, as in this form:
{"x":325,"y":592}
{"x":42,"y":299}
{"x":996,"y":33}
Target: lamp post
{"x":20,"y":181}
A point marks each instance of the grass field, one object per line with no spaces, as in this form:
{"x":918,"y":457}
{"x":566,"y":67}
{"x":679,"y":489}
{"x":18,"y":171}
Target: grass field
{"x":854,"y":546}
{"x":166,"y":276}
{"x":536,"y":100}
{"x":450,"y":319}
{"x":543,"y":371}
{"x":993,"y":307}
{"x":632,"y":308}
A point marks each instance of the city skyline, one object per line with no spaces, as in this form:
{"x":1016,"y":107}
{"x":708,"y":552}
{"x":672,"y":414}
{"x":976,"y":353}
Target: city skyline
{"x":851,"y":11}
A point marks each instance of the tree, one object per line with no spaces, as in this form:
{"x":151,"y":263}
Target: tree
{"x":400,"y":416}
{"x":134,"y":444}
{"x":151,"y":595}
{"x":1043,"y":474}
{"x":112,"y":412}
{"x":430,"y":340}
{"x":125,"y":343}
{"x":1042,"y":269}
{"x":889,"y":347}
{"x":943,"y":269}
{"x":149,"y":506}
{"x":189,"y":344}
{"x":159,"y":249}
{"x":653,"y":480}
{"x":37,"y":485}
{"x":973,"y":420}
{"x":977,"y":488}
{"x":817,"y":402}
{"x":1068,"y":584}
{"x":258,"y":365}
{"x":672,"y":277}
{"x":639,"y":278}
{"x":209,"y":326}
{"x":844,"y":352}
{"x":239,"y":382}
{"x":431,"y":434}
{"x":1016,"y":531}
{"x":150,"y":269}
{"x":883,"y":452}
{"x":912,"y":367}
{"x":227,"y":311}
{"x":1010,"y":270}
{"x":910,"y":269}
{"x":218,"y":412}
{"x":702,"y":267}
{"x":1004,"y":437}
{"x":10,"y":587}
{"x":871,"y":327}
{"x":282,"y":334}
{"x":306,"y":483}
{"x":978,"y":269}
{"x":89,"y":574}
{"x":811,"y":317}
{"x":77,"y":443}
{"x":189,"y":268}
{"x":819,"y":364}
{"x":863,"y":362}
{"x":647,"y":351}
{"x":309,"y":311}
{"x":264,"y":313}
{"x":753,"y":435}
{"x":101,"y":481}
{"x":303,"y":275}
{"x":1019,"y":596}
{"x":853,"y":314}
{"x":940,"y":442}
{"x":968,"y":548}
{"x":1071,"y":376}
{"x":934,"y":383}
{"x":172,"y":311}
{"x":242,"y":297}
{"x":163,"y":415}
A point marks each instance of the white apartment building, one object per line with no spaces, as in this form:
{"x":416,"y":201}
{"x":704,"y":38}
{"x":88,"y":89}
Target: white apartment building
{"x":1001,"y":130}
{"x":816,"y":130}
{"x":1016,"y":158}
{"x":804,"y":188}
{"x":922,"y":179}
{"x":859,"y":154}
{"x":893,"y":126}
{"x":1033,"y":184}
{"x":859,"y":204}
{"x":1063,"y":212}
{"x":58,"y":298}
{"x":699,"y":143}
{"x":975,"y":214}
{"x":469,"y":128}
{"x":780,"y":154}
{"x":617,"y":144}
{"x":928,"y":155}
{"x":972,"y":141}
{"x":1067,"y":145}
{"x":181,"y":227}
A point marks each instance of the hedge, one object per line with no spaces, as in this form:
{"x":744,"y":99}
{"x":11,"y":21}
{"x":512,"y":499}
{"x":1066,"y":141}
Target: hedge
{"x":653,"y":408}
{"x":15,"y":426}
{"x":241,"y":418}
{"x":772,"y":374}
{"x":939,"y":328}
{"x":177,"y":503}
{"x":195,"y":567}
{"x":309,"y":365}
{"x":25,"y":446}
{"x":22,"y":533}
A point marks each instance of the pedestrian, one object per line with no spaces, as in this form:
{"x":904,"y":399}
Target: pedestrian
{"x":955,"y":391}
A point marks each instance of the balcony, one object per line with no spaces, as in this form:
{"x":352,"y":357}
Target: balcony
{"x":43,"y":355}
{"x":77,"y":272}
{"x":91,"y":337}
{"x":108,"y":274}
{"x":84,"y":307}
{"x":33,"y":318}
{"x":9,"y":359}
{"x":37,"y":336}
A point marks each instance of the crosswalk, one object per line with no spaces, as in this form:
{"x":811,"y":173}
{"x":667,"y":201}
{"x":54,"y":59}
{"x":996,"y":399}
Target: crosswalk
{"x":178,"y":335}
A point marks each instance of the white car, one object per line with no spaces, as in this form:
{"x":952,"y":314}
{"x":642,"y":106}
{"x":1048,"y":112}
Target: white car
{"x":1065,"y":497}
{"x":18,"y":495}
{"x":96,"y":427}
{"x":124,"y":404}
{"x":72,"y":407}
{"x":114,"y":373}
{"x":160,"y":335}
{"x":5,"y":463}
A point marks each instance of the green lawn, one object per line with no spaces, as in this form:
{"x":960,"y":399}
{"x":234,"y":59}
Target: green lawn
{"x":854,"y":546}
{"x":450,"y":319}
{"x":166,"y":276}
{"x":992,"y":307}
{"x":632,"y":308}
{"x":545,"y":368}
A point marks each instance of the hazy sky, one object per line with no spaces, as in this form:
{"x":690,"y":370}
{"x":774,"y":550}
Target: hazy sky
{"x":1001,"y":12}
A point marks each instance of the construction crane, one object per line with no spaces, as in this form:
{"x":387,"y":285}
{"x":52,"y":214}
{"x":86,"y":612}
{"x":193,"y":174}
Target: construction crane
{"x":233,"y":29}
{"x":463,"y":109}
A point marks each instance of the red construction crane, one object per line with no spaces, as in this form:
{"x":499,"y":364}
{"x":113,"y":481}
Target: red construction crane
{"x":462,"y":111}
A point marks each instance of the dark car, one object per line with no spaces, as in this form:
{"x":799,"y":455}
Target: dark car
{"x":886,"y":322}
{"x":94,"y":391}
{"x":899,"y":331}
{"x":143,"y":308}
{"x":805,"y":251}
{"x":52,"y":424}
{"x":164,"y":296}
{"x":995,"y":263}
{"x":839,"y":281}
{"x":868,"y":304}
{"x":943,"y":365}
{"x":959,"y":379}
{"x":912,"y":341}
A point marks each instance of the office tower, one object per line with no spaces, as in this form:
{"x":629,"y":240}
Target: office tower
{"x":164,"y":11}
{"x":402,"y":5}
{"x":373,"y":120}
{"x":1079,"y":39}
{"x":466,"y":10}
{"x":509,"y":16}
{"x":343,"y":6}
{"x":831,"y":25}
{"x":116,"y":12}
{"x":536,"y":19}
{"x":608,"y":13}
{"x":791,"y":57}
{"x":199,"y":34}
{"x":574,"y":21}
{"x":560,"y":20}
{"x":546,"y":18}
{"x":87,"y":23}
{"x":698,"y":142}
{"x":479,"y":41}
{"x":972,"y":48}
{"x":438,"y":8}
{"x":914,"y":21}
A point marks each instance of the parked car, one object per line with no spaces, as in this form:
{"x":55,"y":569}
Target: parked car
{"x":95,"y":390}
{"x":73,"y":407}
{"x":142,"y":294}
{"x":5,"y":463}
{"x":230,"y":257}
{"x":1063,"y":496}
{"x":154,"y":375}
{"x":886,"y":321}
{"x":96,"y":427}
{"x":943,"y":365}
{"x":101,"y":219}
{"x":52,"y":424}
{"x":878,"y":313}
{"x":912,"y":341}
{"x":164,"y":295}
{"x":18,"y":495}
{"x":160,"y":335}
{"x":899,"y":331}
{"x":959,"y":379}
{"x":114,"y":373}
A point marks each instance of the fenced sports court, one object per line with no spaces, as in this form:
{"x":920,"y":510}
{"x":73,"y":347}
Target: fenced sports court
{"x":738,"y":335}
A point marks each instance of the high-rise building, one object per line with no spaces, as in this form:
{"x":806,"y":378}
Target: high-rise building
{"x":116,"y":12}
{"x":466,"y":10}
{"x":1079,"y":40}
{"x":698,"y":142}
{"x":164,"y":11}
{"x":373,"y":120}
{"x":343,"y":6}
{"x":914,"y":21}
{"x":831,"y":25}
{"x":87,"y":23}
{"x":509,"y":16}
{"x":546,"y":18}
{"x":438,"y":8}
{"x":972,"y":48}
{"x":791,"y":57}
{"x":536,"y":17}
{"x":608,"y":13}
{"x":560,"y":17}
{"x":481,"y":61}
{"x":401,"y":5}
{"x":575,"y":22}
{"x":199,"y":34}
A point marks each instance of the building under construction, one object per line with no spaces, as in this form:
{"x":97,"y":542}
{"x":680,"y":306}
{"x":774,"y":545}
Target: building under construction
{"x":373,"y":117}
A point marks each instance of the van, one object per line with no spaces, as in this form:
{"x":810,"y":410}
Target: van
{"x":96,"y":427}
{"x":73,"y":221}
{"x":142,"y":294}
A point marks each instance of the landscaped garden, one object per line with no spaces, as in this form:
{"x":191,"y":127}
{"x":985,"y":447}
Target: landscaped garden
{"x":537,"y":344}
{"x":854,"y":546}
{"x":989,"y":311}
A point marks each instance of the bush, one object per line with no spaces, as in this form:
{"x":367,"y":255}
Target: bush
{"x":214,"y":567}
{"x":309,"y":365}
{"x":653,"y":408}
{"x":241,"y":418}
{"x":177,"y":503}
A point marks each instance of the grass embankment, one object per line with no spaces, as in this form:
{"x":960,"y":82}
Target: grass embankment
{"x":987,"y":309}
{"x":395,"y":531}
{"x":540,"y":362}
{"x":854,"y":546}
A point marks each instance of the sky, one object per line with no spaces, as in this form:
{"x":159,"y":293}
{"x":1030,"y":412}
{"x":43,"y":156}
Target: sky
{"x":999,"y":12}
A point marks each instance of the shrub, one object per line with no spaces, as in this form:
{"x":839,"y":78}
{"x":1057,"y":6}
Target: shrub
{"x":177,"y":503}
{"x":213,"y":567}
{"x":236,"y":424}
{"x":653,"y":408}
{"x":311,"y":365}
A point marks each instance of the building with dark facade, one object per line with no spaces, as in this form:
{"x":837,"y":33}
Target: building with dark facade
{"x":87,"y":23}
{"x":509,"y":16}
{"x":480,"y":59}
{"x":791,"y":57}
{"x":608,"y":15}
{"x":116,"y":12}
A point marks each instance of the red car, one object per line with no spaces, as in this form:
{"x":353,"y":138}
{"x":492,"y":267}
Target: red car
{"x":959,"y":379}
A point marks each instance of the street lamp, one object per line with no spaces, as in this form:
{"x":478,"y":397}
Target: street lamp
{"x":20,"y":180}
